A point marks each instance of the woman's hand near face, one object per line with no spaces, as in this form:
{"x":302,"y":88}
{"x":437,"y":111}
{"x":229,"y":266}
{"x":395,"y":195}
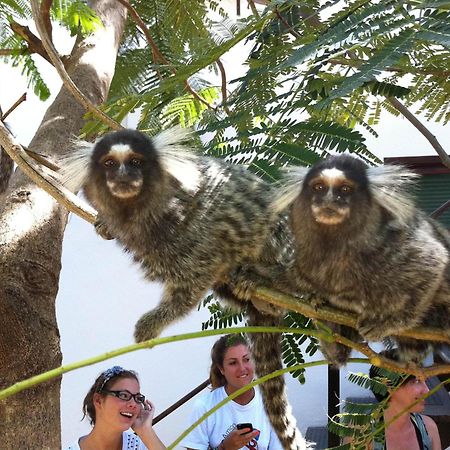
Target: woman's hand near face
{"x":238,"y":438}
{"x":142,"y":426}
{"x":145,"y":418}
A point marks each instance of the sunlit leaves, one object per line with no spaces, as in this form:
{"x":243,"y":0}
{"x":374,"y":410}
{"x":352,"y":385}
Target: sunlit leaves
{"x":76,"y":16}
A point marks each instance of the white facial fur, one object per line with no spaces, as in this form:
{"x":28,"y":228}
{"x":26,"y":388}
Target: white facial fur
{"x":120,"y":151}
{"x":328,"y":212}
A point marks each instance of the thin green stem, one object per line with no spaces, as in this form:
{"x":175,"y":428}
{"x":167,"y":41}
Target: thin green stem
{"x":237,"y":393}
{"x":54,"y":373}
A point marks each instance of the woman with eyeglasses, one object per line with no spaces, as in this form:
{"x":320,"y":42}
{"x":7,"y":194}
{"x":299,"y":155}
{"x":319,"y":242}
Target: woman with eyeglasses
{"x":114,"y":405}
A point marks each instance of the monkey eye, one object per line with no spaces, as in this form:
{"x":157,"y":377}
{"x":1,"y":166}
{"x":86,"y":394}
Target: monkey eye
{"x":136,"y":162}
{"x":318,"y":187}
{"x":109,"y":162}
{"x":346,"y":189}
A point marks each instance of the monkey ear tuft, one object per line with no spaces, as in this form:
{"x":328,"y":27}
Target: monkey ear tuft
{"x":74,"y":166}
{"x":391,"y":187}
{"x":289,"y":187}
{"x":178,"y":157}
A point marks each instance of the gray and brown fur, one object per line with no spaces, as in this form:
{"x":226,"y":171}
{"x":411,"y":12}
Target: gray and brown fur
{"x":194,"y":223}
{"x":361,"y":243}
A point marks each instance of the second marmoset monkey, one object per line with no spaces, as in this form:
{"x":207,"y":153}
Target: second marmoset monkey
{"x":362,"y":244}
{"x":191,"y":222}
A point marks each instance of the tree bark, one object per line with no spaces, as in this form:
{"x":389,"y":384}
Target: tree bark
{"x":31,"y":232}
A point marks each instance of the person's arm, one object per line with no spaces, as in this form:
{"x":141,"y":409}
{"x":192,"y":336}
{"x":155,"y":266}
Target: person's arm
{"x":433,"y":432}
{"x":144,"y":429}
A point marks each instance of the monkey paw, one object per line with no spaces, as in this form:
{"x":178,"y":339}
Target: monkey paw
{"x":143,"y":330}
{"x":316,"y":301}
{"x":102,"y":230}
{"x":336,"y":354}
{"x":371,"y":330}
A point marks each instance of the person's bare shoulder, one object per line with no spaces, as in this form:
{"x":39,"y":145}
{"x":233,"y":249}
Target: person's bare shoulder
{"x":433,"y":432}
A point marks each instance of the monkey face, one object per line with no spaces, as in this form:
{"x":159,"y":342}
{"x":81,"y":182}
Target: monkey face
{"x":332,"y":190}
{"x":123,"y":171}
{"x":124,"y":160}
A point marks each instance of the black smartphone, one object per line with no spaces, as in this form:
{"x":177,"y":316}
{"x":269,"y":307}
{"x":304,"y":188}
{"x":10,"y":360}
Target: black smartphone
{"x":241,"y":426}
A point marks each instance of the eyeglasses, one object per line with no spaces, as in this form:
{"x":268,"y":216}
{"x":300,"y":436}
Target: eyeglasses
{"x":126,"y":396}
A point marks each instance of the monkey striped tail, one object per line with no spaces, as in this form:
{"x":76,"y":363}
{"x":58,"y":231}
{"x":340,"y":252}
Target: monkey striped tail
{"x":266,"y":350}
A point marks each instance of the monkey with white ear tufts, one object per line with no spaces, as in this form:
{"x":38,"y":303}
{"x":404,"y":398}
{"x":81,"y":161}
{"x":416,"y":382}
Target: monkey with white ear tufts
{"x":190,"y":222}
{"x":361,"y":243}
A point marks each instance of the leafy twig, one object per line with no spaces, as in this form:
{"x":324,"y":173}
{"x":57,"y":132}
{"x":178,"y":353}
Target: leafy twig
{"x":157,"y":55}
{"x":57,"y":372}
{"x":326,"y":313}
{"x":59,"y":66}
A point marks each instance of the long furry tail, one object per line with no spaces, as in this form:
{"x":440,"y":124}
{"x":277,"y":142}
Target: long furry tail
{"x":266,"y":350}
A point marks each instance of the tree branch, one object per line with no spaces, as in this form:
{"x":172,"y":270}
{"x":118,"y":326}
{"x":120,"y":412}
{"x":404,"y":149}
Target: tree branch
{"x":45,"y":14}
{"x":34,"y":43}
{"x":22,"y":98}
{"x":223,"y":76}
{"x":399,"y":106}
{"x":374,"y":358}
{"x":333,"y":315}
{"x":59,"y":66}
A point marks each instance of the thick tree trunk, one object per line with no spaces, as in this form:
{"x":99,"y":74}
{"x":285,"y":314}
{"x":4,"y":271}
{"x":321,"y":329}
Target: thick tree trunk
{"x":31,"y":231}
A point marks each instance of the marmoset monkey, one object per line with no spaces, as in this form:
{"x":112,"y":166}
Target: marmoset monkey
{"x":361,"y":243}
{"x":190,"y":222}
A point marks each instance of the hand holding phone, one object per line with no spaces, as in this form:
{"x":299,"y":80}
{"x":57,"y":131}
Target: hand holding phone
{"x":242,"y":426}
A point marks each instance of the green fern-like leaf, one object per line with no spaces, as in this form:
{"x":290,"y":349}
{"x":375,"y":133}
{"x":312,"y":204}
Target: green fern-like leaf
{"x":339,"y":32}
{"x":435,"y":27}
{"x":386,"y":89}
{"x":386,"y":57}
{"x":35,"y":80}
{"x":330,"y":136}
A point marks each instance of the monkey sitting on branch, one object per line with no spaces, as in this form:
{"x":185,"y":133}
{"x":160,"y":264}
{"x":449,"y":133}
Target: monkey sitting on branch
{"x":362,"y":244}
{"x":189,"y":221}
